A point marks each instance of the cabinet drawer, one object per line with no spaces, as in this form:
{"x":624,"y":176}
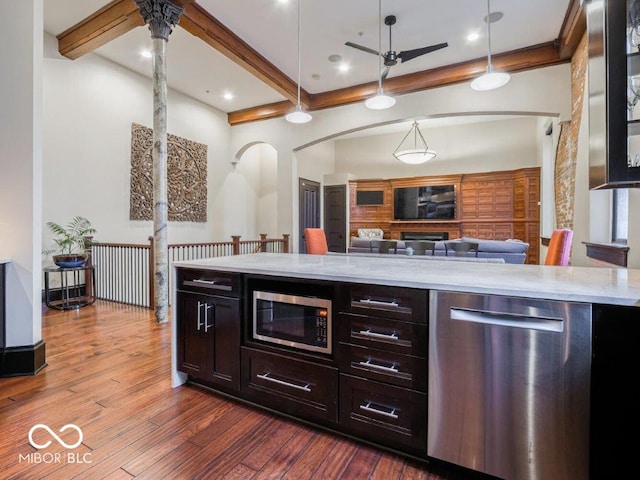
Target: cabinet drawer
{"x":392,"y":416}
{"x":208,"y":282}
{"x":390,"y":335}
{"x":388,"y":302}
{"x":295,"y":387}
{"x":402,"y":370}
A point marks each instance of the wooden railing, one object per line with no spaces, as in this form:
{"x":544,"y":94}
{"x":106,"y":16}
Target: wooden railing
{"x":124,"y":271}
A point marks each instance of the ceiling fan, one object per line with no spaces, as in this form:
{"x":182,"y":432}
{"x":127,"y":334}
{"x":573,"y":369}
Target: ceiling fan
{"x":391,"y":57}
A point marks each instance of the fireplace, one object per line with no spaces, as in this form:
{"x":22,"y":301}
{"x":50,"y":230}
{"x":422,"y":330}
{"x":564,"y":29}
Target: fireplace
{"x":424,"y":236}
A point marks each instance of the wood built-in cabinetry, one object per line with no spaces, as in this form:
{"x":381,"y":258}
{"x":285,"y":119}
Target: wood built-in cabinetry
{"x":492,"y":205}
{"x":382,"y":354}
{"x":208,"y":306}
{"x":614,"y":84}
{"x":373,"y":384}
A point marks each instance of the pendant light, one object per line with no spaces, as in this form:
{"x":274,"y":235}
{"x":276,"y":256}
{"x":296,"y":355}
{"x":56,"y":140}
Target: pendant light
{"x":298,"y":115}
{"x":416,"y":152}
{"x":491,"y":79}
{"x":380,"y":101}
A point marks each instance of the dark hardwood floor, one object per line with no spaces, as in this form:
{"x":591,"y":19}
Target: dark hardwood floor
{"x":108,"y":373}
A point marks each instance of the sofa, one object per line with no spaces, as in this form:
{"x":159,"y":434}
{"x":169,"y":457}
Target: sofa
{"x":511,"y":251}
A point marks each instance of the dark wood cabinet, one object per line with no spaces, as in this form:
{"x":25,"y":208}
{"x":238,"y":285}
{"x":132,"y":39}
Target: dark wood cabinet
{"x":614,"y":121}
{"x":208,"y":328}
{"x":292,"y":386}
{"x":382,"y":357}
{"x":391,"y":416}
{"x":373,"y":386}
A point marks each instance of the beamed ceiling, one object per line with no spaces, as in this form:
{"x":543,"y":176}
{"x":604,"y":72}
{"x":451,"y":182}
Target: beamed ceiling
{"x":120,"y":17}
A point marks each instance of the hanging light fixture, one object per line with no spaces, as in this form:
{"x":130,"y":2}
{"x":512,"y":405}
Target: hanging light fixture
{"x":491,"y":79}
{"x":416,"y":152}
{"x":380,"y":101}
{"x":298,"y":115}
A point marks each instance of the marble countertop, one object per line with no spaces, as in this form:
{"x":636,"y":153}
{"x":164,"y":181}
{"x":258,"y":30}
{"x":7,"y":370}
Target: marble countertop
{"x":615,"y":286}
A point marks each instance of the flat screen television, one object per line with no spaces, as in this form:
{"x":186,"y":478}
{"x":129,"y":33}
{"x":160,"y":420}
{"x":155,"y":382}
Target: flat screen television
{"x":437,"y":202}
{"x":369,"y":197}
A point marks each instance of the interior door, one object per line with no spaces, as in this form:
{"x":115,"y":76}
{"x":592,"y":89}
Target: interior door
{"x":309,"y":207}
{"x":335,"y":217}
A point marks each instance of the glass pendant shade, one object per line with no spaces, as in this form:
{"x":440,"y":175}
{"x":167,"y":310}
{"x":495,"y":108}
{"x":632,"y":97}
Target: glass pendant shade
{"x":415,"y":156}
{"x":380,"y":101}
{"x":415,"y":152}
{"x":490,"y":80}
{"x":298,"y":116}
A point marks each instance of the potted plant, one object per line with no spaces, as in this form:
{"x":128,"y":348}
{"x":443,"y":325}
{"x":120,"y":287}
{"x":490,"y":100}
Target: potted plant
{"x":71,"y":241}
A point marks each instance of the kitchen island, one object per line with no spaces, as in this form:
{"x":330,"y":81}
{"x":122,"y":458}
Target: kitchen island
{"x":377,"y":371}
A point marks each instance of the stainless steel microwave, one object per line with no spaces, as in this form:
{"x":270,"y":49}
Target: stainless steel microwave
{"x":294,"y":321}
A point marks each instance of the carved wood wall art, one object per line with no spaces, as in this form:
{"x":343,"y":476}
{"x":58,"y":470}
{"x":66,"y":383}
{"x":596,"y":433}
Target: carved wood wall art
{"x":186,"y":177}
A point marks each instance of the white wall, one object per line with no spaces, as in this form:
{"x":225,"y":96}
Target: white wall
{"x":467,"y":148}
{"x":545,"y":91}
{"x":89,"y":106}
{"x":252,"y":188}
{"x":21,"y":166}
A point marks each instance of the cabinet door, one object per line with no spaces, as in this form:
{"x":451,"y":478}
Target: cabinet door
{"x":209,"y":339}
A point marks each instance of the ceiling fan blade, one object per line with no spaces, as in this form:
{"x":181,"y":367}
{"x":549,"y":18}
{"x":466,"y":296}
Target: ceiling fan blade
{"x":360,"y":47}
{"x":385,"y":72}
{"x":411,"y":54}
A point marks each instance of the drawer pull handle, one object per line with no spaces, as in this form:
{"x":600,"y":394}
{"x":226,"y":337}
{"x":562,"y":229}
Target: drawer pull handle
{"x":199,"y":282}
{"x":265,"y":376}
{"x":368,"y":301}
{"x":391,"y":369}
{"x":368,"y":408}
{"x":386,"y":336}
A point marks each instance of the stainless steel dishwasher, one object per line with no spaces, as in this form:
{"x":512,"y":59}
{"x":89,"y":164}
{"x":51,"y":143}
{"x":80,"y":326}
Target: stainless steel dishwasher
{"x":509,"y":382}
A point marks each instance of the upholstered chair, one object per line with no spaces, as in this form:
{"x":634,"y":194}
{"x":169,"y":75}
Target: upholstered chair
{"x":383,"y":246}
{"x":315,"y":241}
{"x":461,"y":248}
{"x":421,"y":247}
{"x":559,"y":250}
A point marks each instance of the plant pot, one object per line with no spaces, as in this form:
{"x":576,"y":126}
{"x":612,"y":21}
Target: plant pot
{"x":70,"y":260}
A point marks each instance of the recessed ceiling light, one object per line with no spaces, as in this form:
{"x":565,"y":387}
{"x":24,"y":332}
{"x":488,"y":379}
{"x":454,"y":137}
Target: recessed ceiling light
{"x":343,"y":67}
{"x":227,"y":96}
{"x":472,"y":37}
{"x":283,"y":1}
{"x":335,"y":58}
{"x":146,"y":53}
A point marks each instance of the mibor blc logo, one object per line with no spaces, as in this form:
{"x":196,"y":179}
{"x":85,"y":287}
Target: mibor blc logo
{"x":57,"y":457}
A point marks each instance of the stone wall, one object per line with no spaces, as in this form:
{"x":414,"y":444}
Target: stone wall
{"x":566,"y":155}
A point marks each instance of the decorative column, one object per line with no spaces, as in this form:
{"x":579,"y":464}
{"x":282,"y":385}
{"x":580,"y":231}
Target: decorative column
{"x":161,"y":15}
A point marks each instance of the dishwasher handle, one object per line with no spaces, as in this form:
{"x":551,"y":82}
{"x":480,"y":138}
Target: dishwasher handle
{"x":503,"y":319}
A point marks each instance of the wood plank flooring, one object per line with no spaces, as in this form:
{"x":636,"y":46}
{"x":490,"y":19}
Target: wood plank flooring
{"x":109,"y":373}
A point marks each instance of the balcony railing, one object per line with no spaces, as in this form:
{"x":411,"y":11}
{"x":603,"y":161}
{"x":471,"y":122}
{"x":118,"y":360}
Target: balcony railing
{"x":124,"y":271}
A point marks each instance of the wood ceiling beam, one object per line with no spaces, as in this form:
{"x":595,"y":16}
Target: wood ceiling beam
{"x":197,"y":21}
{"x":573,"y":28}
{"x":529,"y":58}
{"x":111,"y":21}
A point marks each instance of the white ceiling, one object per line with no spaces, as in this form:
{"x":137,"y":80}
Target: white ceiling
{"x":269,"y":26}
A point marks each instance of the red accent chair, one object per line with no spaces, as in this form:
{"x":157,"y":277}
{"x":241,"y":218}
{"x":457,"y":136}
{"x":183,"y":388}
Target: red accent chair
{"x":316,"y":241}
{"x":559,"y":249}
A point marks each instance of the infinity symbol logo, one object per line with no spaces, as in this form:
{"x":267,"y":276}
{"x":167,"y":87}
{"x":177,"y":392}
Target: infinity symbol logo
{"x":58,"y":439}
